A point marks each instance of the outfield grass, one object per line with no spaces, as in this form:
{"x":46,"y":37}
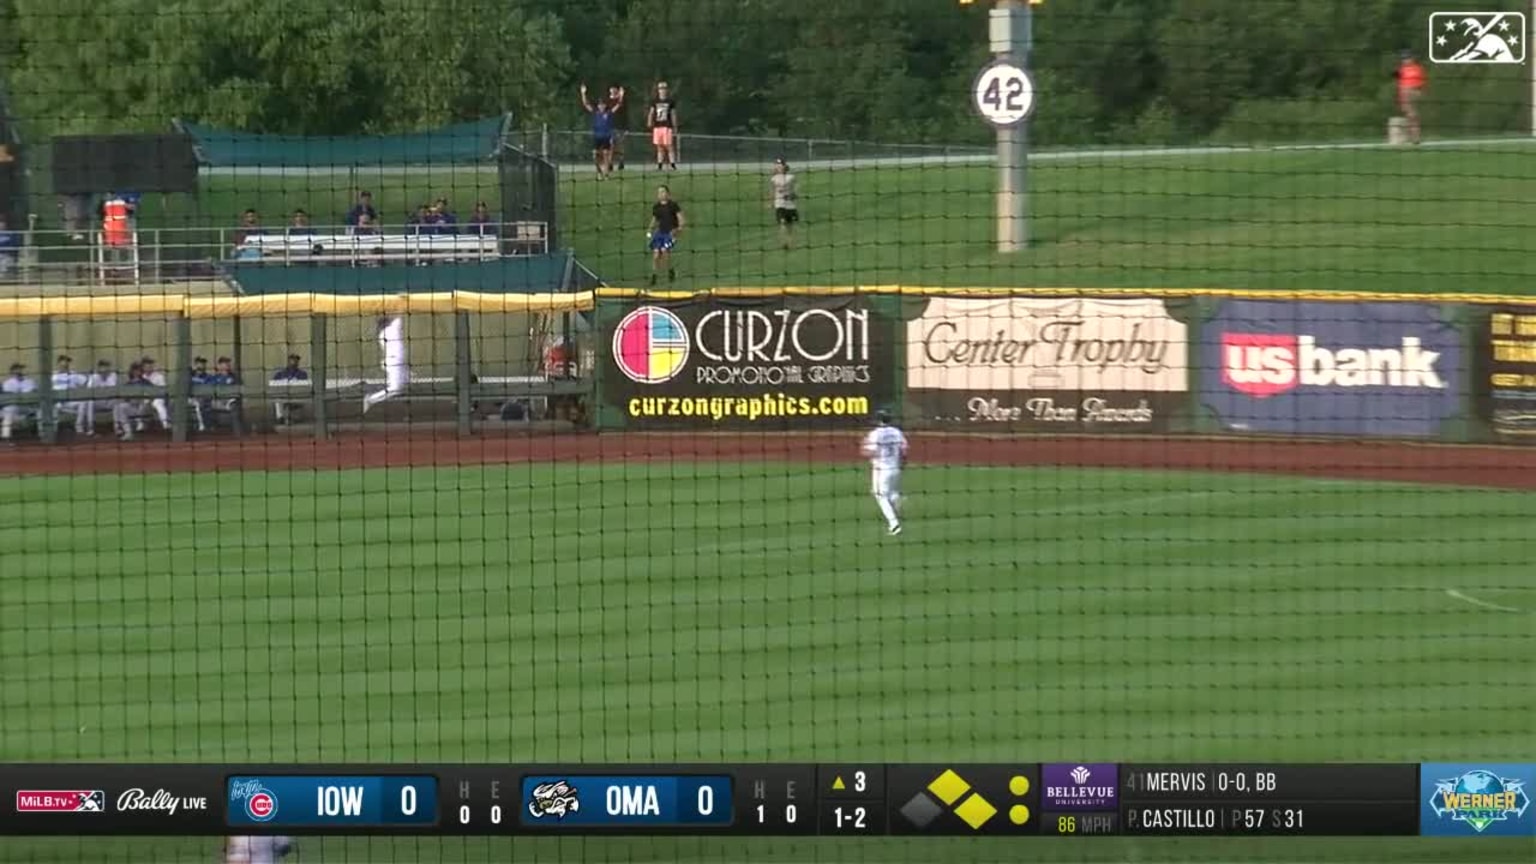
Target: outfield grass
{"x":708,"y":612}
{"x":1424,"y":221}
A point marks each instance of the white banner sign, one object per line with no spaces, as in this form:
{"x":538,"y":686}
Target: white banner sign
{"x":1019,"y":344}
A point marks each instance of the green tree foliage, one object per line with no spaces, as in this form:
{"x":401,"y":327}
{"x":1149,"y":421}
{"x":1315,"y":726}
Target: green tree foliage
{"x":1109,"y":71}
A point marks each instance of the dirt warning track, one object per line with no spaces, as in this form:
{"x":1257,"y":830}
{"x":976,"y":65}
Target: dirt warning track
{"x":1500,"y":467}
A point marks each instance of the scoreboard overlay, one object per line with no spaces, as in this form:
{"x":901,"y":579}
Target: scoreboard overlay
{"x":940,"y":799}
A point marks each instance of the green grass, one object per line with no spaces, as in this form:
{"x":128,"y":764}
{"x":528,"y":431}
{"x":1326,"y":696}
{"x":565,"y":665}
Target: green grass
{"x":684,"y":612}
{"x":1423,"y":221}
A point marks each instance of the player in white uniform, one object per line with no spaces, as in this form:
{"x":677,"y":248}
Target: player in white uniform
{"x":256,"y":850}
{"x":886,"y":449}
{"x":397,"y":372}
{"x":18,"y":383}
{"x":66,"y":378}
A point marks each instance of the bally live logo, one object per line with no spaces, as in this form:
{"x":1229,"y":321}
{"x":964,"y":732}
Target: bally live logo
{"x":1268,"y":364}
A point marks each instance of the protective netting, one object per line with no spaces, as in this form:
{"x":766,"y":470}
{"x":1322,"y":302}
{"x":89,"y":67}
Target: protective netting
{"x":539,"y":441}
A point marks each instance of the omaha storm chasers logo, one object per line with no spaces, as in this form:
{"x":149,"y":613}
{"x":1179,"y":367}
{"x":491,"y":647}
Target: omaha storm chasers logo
{"x":1480,"y":798}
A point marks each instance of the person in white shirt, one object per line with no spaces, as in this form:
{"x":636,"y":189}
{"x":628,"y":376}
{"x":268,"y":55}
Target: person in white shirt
{"x":102,"y":377}
{"x":155,"y":378}
{"x":256,"y":850}
{"x":886,"y":449}
{"x":785,"y":191}
{"x":17,"y":383}
{"x":397,"y":371}
{"x":65,"y":378}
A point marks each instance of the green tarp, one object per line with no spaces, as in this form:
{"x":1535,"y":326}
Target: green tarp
{"x":522,"y":275}
{"x":460,"y":144}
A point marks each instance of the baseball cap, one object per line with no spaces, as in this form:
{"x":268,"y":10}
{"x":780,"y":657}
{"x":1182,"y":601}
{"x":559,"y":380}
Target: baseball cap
{"x":883,"y":416}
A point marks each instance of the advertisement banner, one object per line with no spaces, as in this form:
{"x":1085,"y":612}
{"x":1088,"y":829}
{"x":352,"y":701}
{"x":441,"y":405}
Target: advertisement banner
{"x":759,"y":363}
{"x":1047,"y":365}
{"x":1315,"y":368}
{"x":1506,"y":377}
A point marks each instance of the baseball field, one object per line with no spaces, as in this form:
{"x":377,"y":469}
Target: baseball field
{"x":409,"y":596}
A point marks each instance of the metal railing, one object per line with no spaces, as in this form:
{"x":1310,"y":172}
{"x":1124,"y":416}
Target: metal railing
{"x":171,"y":255}
{"x":575,"y":147}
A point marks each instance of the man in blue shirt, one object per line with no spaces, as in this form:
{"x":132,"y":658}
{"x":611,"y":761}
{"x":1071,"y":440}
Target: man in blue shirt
{"x":293,"y":372}
{"x":604,"y":127}
{"x":10,"y":248}
{"x":363,"y":207}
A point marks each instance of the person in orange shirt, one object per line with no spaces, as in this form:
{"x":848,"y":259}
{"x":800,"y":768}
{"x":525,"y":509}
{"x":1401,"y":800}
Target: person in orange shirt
{"x":1410,"y":91}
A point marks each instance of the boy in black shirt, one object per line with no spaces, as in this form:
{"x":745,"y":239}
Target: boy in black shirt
{"x":666,"y":223}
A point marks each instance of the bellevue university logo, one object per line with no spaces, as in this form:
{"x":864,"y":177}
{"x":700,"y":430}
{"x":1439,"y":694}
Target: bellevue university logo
{"x":650,"y":345}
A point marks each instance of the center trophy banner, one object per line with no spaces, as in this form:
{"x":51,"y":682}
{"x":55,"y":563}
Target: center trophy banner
{"x":1047,"y":364}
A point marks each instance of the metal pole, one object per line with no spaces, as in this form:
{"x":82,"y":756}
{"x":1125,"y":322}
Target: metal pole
{"x":318,"y":342}
{"x":1011,"y":41}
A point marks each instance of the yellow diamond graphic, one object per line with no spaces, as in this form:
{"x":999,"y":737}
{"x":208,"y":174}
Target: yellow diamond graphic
{"x":949,"y":787}
{"x":976,"y":811}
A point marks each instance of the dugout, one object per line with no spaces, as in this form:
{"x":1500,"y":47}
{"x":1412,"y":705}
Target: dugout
{"x":468,"y":161}
{"x":334,"y":333}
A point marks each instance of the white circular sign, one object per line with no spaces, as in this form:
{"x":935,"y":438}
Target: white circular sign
{"x":1004,"y":94}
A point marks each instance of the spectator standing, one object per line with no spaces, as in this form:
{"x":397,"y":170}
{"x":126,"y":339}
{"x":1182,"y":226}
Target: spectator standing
{"x":666,"y":223}
{"x":16,"y":384}
{"x":103,"y":377}
{"x":1411,"y":82}
{"x":10,"y":249}
{"x":620,"y":106}
{"x":64,"y":379}
{"x":661,"y":119}
{"x":363,"y":207}
{"x":603,"y":132}
{"x":785,"y":190}
{"x":293,"y":372}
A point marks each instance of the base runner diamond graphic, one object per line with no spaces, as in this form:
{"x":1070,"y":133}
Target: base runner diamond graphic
{"x":921,"y":811}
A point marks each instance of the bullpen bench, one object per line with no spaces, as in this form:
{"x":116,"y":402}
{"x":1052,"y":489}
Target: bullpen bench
{"x":534,"y":388}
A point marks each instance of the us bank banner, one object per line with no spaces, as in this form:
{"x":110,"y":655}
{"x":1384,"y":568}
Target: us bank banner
{"x":1047,"y":364}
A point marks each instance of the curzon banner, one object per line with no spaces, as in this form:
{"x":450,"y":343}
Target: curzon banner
{"x":777,"y":362}
{"x":1506,"y":374}
{"x":1047,"y":365}
{"x":1316,"y":368}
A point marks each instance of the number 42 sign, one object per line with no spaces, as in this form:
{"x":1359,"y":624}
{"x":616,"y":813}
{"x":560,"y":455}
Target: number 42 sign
{"x":1004,"y":94}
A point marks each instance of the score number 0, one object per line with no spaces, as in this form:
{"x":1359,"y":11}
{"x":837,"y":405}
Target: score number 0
{"x":1004,"y":94}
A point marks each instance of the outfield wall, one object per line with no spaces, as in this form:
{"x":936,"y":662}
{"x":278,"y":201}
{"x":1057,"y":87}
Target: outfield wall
{"x":1454,"y":368}
{"x":1065,"y":361}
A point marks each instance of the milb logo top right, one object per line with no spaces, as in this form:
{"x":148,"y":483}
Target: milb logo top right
{"x":1477,"y":37}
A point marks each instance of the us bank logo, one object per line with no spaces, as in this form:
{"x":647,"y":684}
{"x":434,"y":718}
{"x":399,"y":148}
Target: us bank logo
{"x":650,"y":345}
{"x":1468,"y":799}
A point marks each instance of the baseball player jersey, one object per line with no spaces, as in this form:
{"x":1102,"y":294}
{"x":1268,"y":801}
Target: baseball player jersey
{"x":885,"y":446}
{"x":392,"y":342}
{"x":256,"y":850}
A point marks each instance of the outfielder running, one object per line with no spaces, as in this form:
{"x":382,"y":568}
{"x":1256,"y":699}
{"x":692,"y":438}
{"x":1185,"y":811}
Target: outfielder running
{"x":886,"y":449}
{"x":256,"y":850}
{"x":397,"y":373}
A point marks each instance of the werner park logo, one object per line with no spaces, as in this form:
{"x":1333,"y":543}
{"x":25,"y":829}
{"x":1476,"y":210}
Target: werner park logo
{"x":1477,"y":37}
